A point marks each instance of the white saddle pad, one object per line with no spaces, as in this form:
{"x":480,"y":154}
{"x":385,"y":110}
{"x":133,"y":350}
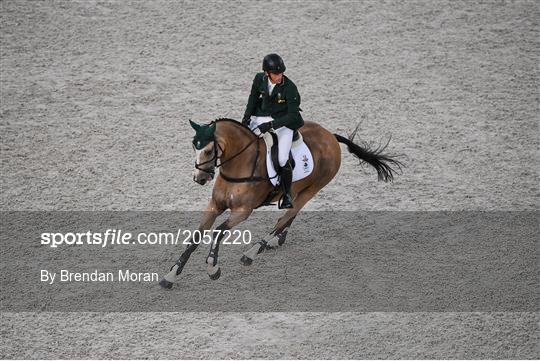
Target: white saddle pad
{"x":301,"y":155}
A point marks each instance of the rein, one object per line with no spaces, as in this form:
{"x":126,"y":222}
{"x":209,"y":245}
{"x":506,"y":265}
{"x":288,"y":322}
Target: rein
{"x":251,"y":178}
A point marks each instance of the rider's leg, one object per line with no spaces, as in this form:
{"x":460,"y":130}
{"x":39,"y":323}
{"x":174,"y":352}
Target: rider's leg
{"x":285,"y":136}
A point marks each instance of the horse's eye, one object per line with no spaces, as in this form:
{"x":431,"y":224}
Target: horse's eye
{"x":207,"y":152}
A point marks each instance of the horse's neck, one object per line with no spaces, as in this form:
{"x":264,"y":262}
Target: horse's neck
{"x":234,"y":139}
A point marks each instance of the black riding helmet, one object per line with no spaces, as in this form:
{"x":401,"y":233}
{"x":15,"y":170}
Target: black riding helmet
{"x":273,"y":63}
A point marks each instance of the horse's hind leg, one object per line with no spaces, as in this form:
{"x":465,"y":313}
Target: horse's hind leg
{"x":280,"y":230}
{"x":207,"y":221}
{"x":279,"y":234}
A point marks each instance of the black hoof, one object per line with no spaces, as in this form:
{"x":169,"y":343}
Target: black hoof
{"x":246,"y":261}
{"x":264,"y":246}
{"x":216,"y":275}
{"x":165,"y":284}
{"x":282,"y":237}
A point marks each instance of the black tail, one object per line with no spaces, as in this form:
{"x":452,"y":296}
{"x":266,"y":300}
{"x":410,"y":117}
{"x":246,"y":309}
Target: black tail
{"x":384,"y":165}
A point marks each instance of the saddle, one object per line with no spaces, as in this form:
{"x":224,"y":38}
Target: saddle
{"x":300,"y":157}
{"x":271,"y":141}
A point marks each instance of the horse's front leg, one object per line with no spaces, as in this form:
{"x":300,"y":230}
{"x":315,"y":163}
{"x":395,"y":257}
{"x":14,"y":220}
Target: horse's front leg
{"x":237,"y":216}
{"x":207,"y":221}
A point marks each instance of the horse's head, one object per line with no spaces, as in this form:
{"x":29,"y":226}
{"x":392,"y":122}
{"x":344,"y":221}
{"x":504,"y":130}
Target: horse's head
{"x":206,"y":152}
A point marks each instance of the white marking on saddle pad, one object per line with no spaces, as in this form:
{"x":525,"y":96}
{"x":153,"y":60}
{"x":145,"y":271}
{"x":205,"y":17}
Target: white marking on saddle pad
{"x":302,"y":158}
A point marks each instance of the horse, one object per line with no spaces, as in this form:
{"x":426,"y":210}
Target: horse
{"x":242,"y":184}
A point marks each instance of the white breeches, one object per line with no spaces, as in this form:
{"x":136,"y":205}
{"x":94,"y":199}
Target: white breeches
{"x":284,"y":135}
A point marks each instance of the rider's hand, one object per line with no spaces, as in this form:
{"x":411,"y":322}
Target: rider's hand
{"x":264,"y":127}
{"x":246,"y":120}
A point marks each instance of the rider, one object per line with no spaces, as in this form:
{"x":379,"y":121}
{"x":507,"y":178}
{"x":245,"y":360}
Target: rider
{"x":274,"y":104}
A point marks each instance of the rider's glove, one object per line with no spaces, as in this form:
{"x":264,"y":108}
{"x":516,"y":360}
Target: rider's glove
{"x":264,"y":127}
{"x":246,"y":120}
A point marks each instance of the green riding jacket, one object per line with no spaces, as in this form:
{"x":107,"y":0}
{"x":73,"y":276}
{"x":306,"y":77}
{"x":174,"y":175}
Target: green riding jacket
{"x":283,"y":105}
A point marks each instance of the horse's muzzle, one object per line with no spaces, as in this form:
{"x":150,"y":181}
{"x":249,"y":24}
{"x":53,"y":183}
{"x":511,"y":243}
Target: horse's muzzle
{"x":202,"y":177}
{"x":200,"y":181}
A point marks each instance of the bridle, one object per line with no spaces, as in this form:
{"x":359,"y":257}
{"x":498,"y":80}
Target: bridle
{"x":214,"y":159}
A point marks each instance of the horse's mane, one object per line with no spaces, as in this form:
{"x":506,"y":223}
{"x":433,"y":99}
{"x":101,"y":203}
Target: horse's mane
{"x":236,"y":123}
{"x":226,"y":120}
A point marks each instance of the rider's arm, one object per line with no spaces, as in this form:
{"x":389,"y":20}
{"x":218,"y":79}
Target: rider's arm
{"x":253,"y":96}
{"x":293,"y":109}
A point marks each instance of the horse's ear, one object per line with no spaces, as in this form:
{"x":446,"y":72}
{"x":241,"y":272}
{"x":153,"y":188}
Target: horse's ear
{"x":194,"y":125}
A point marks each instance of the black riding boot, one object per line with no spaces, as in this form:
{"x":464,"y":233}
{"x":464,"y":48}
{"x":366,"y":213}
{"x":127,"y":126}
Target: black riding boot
{"x":286,"y":180}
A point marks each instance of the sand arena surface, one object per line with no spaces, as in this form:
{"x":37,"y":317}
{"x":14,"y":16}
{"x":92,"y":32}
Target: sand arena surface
{"x":95,"y":98}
